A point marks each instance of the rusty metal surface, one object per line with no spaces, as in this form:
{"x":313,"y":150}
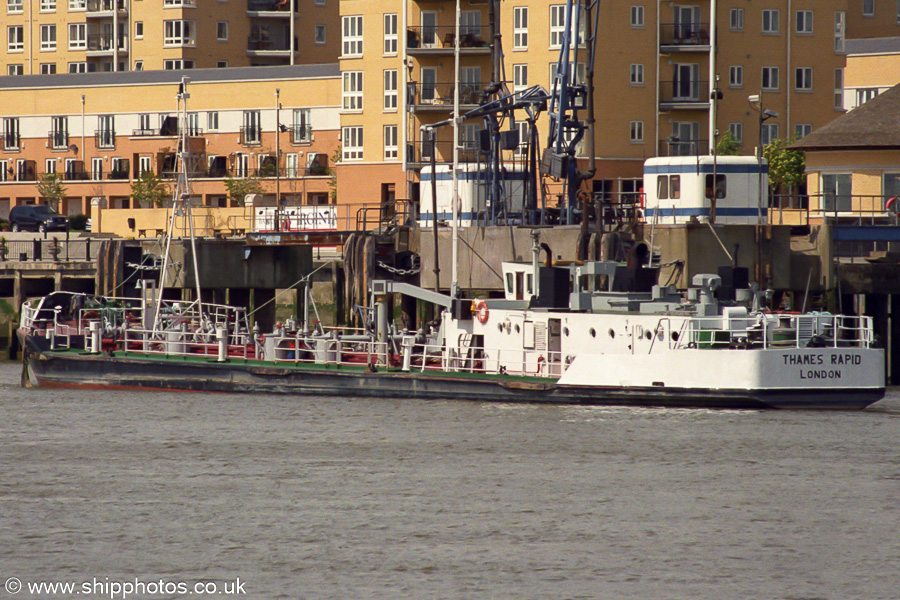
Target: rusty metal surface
{"x":298,"y":238}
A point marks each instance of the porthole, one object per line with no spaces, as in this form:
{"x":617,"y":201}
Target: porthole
{"x":593,"y":332}
{"x":674,"y":336}
{"x":612,"y":334}
{"x":499,"y":326}
{"x":517,"y":328}
{"x":566,"y":331}
{"x":648,"y":335}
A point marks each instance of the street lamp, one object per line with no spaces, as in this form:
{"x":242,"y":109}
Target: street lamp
{"x":764,"y":115}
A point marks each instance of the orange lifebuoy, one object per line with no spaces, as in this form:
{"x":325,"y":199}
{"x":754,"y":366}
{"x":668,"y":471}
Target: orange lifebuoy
{"x":891,"y":203}
{"x":481,"y":311}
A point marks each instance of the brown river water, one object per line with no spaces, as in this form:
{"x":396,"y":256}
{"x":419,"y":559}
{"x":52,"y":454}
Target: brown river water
{"x":267,"y":497}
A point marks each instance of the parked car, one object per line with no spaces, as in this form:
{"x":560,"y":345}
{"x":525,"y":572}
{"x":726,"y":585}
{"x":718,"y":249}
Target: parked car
{"x":36,"y":217}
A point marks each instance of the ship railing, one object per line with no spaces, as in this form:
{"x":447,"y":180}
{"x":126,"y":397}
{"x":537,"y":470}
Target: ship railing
{"x":777,"y":330}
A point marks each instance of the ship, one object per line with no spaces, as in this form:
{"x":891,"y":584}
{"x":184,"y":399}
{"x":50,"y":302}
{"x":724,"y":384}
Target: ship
{"x":596,"y":333}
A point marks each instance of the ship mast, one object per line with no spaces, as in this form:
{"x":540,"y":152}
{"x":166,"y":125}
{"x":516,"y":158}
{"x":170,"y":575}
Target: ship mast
{"x":181,"y":207}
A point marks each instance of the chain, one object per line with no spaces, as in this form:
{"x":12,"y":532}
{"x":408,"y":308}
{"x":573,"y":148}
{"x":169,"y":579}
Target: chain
{"x":396,"y":271}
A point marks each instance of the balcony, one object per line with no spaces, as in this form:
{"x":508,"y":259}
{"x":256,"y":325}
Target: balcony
{"x":105,"y":8}
{"x":266,"y":46}
{"x":440,"y":40}
{"x":437,"y":97}
{"x":105,"y":138}
{"x":684,"y":94}
{"x":271,"y":8}
{"x":418,"y":152}
{"x":684,"y":37}
{"x":59,"y":140}
{"x":677,"y":147}
{"x":103,"y":44}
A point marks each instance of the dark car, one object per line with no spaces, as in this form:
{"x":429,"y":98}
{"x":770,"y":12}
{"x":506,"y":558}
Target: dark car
{"x":36,"y":217}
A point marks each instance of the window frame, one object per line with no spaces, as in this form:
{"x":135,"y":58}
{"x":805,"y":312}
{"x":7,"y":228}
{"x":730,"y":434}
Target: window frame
{"x":767,"y":79}
{"x":220,"y":27}
{"x":351,"y":36}
{"x":803,"y":79}
{"x":637,"y":74}
{"x":179,"y":33}
{"x":803,"y":23}
{"x":351,"y":142}
{"x":520,"y":28}
{"x":636,"y":132}
{"x":637,"y":16}
{"x":391,"y":36}
{"x":736,"y":76}
{"x":391,"y":89}
{"x":48,"y":37}
{"x":19,"y":44}
{"x":352,"y":91}
{"x":736,"y":19}
{"x":736,"y":130}
{"x":390,"y":134}
{"x":771,"y":21}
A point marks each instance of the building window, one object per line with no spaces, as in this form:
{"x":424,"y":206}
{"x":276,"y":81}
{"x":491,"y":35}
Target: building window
{"x":138,"y":29}
{"x":48,"y":5}
{"x":221,"y":64}
{"x":59,"y":133}
{"x":637,"y":131}
{"x":520,"y":77}
{"x":637,"y":74}
{"x":212,"y":121}
{"x":302,"y":126}
{"x":390,"y":33}
{"x":804,"y":21}
{"x":352,"y":36}
{"x":736,"y":76}
{"x":803,"y":79}
{"x":801,"y":130}
{"x":251,"y":131}
{"x":839,"y":88}
{"x":50,"y":166}
{"x":390,"y":142}
{"x":48,"y":68}
{"x":353,"y":90}
{"x":48,"y":37}
{"x":177,"y":64}
{"x":390,"y":89}
{"x":15,"y":6}
{"x":770,"y":78}
{"x":80,"y":67}
{"x":97,"y":168}
{"x":78,"y":36}
{"x":222,"y":31}
{"x":837,"y":192}
{"x":145,"y":165}
{"x":737,"y":132}
{"x":14,"y":70}
{"x":138,"y":65}
{"x":868,"y":7}
{"x":11,"y":133}
{"x":77,"y":5}
{"x":352,"y":143}
{"x":4,"y":174}
{"x":320,"y":34}
{"x":520,"y":28}
{"x":898,"y":12}
{"x":193,"y":124}
{"x":637,"y":16}
{"x":470,"y":24}
{"x":144,"y":125}
{"x":839,"y":31}
{"x":770,"y":21}
{"x":863,"y":95}
{"x":106,"y":132}
{"x":557,"y":25}
{"x":737,"y":19}
{"x":178,"y":33}
{"x":769,"y":133}
{"x":15,"y":38}
{"x":890,"y":187}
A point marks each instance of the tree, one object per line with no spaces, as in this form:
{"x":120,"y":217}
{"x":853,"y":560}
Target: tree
{"x":787,"y":168}
{"x":728,"y":145}
{"x":336,"y":157}
{"x":149,"y":191}
{"x":238,"y":189}
{"x":50,"y":187}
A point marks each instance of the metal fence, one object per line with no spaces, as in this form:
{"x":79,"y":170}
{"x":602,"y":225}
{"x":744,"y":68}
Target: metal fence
{"x":51,"y":249}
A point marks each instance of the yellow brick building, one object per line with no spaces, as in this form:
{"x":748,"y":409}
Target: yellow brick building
{"x":81,"y":36}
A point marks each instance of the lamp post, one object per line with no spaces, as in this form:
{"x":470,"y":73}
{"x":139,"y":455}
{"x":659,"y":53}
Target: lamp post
{"x":715,"y":95}
{"x":277,"y":156}
{"x":764,"y":115}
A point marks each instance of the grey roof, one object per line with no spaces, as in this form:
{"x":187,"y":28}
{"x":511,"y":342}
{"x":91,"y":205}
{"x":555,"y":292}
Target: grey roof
{"x":873,"y":125}
{"x":85,"y":80}
{"x":886,"y":45}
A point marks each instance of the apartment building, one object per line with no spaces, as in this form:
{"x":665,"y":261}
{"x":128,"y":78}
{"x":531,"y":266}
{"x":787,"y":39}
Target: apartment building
{"x":84,"y":36}
{"x":670,"y":77}
{"x":101,"y":131}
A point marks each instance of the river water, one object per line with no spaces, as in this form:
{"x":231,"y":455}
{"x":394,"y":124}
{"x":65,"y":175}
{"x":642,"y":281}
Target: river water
{"x":344,"y":498}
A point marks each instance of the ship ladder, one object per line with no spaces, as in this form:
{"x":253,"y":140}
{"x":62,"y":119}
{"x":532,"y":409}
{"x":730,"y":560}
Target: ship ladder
{"x":806,"y":329}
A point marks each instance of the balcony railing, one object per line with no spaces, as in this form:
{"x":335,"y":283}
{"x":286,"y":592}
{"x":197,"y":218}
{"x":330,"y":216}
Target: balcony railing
{"x":258,"y":44}
{"x":441,"y":94}
{"x":76,"y":175}
{"x":106,"y":138}
{"x":684,"y":90}
{"x":271,"y":6}
{"x":685,"y":147}
{"x":444,"y":37}
{"x":105,"y":5}
{"x":684,"y":34}
{"x":103,"y":42}
{"x":300,"y":133}
{"x":251,"y":135}
{"x":420,"y":151}
{"x":59,"y":140}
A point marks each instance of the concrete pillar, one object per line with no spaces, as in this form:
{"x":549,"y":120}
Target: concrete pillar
{"x":17,"y":291}
{"x":98,"y":203}
{"x":893,"y":341}
{"x":265,"y":310}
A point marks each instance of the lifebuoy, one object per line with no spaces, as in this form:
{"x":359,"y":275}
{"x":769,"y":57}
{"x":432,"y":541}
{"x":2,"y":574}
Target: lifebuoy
{"x":481,"y":311}
{"x":891,"y":203}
